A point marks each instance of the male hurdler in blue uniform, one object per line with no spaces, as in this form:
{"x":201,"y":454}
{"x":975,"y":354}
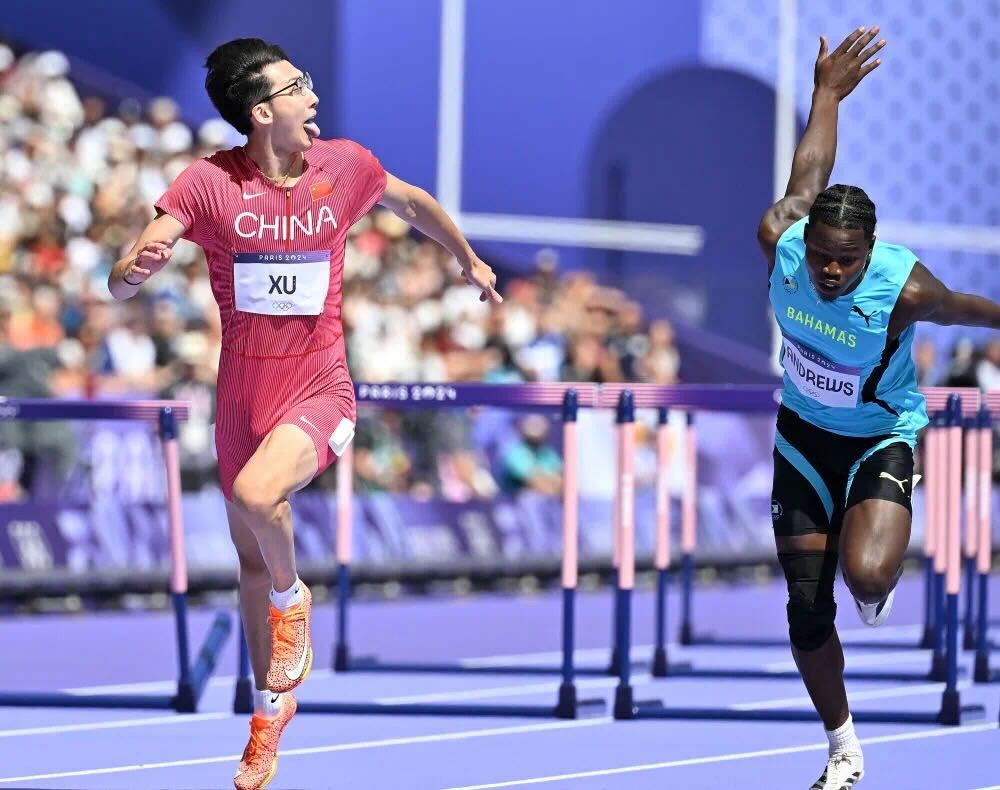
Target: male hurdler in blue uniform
{"x":846,"y":305}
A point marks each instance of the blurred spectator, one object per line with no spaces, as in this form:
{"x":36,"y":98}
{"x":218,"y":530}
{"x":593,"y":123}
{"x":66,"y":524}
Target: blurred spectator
{"x":660,"y":363}
{"x":30,"y":448}
{"x":988,"y":369}
{"x":529,"y":463}
{"x":78,"y":177}
{"x":962,"y":370}
{"x":925,"y":360}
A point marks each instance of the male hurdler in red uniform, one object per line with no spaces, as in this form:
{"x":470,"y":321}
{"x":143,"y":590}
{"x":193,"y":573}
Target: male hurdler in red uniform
{"x":272,"y":217}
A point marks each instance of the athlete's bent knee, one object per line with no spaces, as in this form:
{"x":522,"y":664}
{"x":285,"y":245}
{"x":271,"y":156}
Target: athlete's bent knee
{"x":256,"y":499}
{"x":870,"y":582}
{"x":811,"y":608}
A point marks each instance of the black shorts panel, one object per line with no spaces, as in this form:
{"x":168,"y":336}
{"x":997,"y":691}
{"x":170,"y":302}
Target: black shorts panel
{"x":797,"y":508}
{"x":886,"y":474}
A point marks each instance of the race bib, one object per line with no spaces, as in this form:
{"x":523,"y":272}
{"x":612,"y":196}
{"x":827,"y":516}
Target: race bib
{"x":281,"y":283}
{"x":818,"y":378}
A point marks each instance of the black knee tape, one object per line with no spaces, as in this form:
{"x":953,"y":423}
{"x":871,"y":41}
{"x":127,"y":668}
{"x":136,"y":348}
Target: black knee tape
{"x":811,"y":608}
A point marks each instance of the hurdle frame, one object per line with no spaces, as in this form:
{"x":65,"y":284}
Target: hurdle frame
{"x":982,"y":514}
{"x":933,"y":568}
{"x":567,"y":399}
{"x":952,"y":712}
{"x":191,"y":679}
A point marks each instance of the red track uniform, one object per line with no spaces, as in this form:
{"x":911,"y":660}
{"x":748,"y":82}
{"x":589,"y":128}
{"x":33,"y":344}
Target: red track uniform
{"x":276,"y":264}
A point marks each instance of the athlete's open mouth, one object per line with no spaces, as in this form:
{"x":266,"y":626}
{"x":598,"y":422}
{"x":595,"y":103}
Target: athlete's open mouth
{"x":311,"y":128}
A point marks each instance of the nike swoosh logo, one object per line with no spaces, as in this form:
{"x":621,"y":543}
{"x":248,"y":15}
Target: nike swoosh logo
{"x":275,"y":698}
{"x":296,"y":672}
{"x":309,"y":424}
{"x":249,"y":197}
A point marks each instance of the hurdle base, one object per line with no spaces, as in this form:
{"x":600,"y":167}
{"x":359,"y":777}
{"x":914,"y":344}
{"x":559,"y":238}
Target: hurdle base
{"x":60,"y":699}
{"x":488,"y":711}
{"x":243,"y":698}
{"x":953,"y":713}
{"x":569,"y":707}
{"x":939,"y":667}
{"x":189,"y":692}
{"x":686,"y":635}
{"x":185,"y":701}
{"x":625,"y":707}
{"x":614,"y":667}
{"x":342,"y":658}
{"x":982,"y":673}
{"x":652,"y":711}
{"x":372,"y":664}
{"x":686,"y":670}
{"x":706,"y":640}
{"x":664,"y":668}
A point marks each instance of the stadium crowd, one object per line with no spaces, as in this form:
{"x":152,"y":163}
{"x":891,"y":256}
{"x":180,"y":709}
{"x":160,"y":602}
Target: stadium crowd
{"x":78,"y":179}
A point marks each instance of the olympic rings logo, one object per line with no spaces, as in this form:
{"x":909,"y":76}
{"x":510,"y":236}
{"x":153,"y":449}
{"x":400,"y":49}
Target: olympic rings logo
{"x":283,"y":307}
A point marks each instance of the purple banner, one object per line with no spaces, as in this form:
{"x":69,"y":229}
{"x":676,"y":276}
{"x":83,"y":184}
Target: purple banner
{"x":389,"y":531}
{"x":52,"y":409}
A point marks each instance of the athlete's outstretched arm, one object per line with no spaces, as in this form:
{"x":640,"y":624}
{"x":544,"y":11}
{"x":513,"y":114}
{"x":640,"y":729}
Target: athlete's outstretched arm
{"x":836,"y":74}
{"x":149,"y":254}
{"x":926,"y":298}
{"x":423,"y":212}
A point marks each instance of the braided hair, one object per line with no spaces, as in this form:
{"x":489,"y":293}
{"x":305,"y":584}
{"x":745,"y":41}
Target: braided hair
{"x":843,"y":206}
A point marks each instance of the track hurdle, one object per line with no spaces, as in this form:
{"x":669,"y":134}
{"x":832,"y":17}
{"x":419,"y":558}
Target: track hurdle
{"x":567,"y":399}
{"x":191,"y":679}
{"x":626,"y":707}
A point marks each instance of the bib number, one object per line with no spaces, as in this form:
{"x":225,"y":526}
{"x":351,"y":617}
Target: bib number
{"x":817,"y":377}
{"x":281,"y":283}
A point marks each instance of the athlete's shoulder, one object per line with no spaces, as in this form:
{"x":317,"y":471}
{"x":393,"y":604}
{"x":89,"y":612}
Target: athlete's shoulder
{"x":220,"y":166}
{"x":894,"y":261}
{"x":794,"y":234}
{"x":790,"y":249}
{"x":341,"y":151}
{"x":894,"y":251}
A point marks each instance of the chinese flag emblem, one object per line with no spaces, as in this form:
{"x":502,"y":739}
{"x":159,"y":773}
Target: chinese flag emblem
{"x":321,"y":190}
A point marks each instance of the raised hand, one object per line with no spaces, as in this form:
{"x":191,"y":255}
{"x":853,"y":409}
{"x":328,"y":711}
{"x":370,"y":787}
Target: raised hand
{"x":480,"y":275}
{"x":840,"y":71}
{"x":148,"y":261}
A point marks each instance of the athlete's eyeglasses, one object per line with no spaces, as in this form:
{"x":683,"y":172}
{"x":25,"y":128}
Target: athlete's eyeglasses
{"x":297,"y":88}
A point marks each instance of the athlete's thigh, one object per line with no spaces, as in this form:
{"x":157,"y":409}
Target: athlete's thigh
{"x":801,"y":520}
{"x":878,"y":514}
{"x":284,"y":462}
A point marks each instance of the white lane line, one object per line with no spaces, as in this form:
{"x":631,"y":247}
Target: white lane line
{"x":509,"y":691}
{"x":722,"y":758}
{"x":158,"y":686}
{"x":869,"y":634}
{"x":177,"y":718}
{"x":337,"y":747}
{"x":516,"y":659}
{"x":853,"y":696}
{"x":912,"y":656}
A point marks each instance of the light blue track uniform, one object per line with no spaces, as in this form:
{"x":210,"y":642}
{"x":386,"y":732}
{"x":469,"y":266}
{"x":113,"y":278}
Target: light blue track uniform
{"x":842,"y":374}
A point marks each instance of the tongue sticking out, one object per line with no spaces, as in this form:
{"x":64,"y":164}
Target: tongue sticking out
{"x":311,"y":128}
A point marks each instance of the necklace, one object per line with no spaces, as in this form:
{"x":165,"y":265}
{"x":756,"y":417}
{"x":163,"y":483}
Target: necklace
{"x":274,"y":180}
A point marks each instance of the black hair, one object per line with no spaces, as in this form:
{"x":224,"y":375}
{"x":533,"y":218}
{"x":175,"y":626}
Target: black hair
{"x":235,"y":81}
{"x":843,"y":206}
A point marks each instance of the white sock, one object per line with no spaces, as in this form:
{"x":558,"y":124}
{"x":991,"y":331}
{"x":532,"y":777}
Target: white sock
{"x":287,"y":599}
{"x":844,"y":739}
{"x":266,"y":703}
